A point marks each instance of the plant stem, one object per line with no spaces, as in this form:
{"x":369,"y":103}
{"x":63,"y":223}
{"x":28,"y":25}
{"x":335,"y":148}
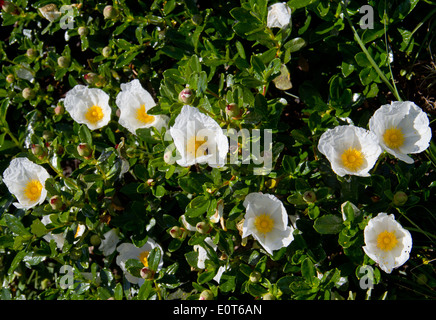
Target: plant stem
{"x":370,"y":59}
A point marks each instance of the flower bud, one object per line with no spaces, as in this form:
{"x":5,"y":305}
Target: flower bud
{"x":146,"y":273}
{"x":309,"y":196}
{"x":83,"y":31}
{"x":95,"y":240}
{"x":176,"y":232}
{"x":206,"y":295}
{"x":233,"y":111}
{"x":109,"y":12}
{"x":59,"y":110}
{"x":202,"y":227}
{"x":9,"y":7}
{"x":90,"y":77}
{"x":37,"y":150}
{"x":10,"y":78}
{"x":255,"y":276}
{"x":106,"y":52}
{"x":268,"y":296}
{"x":84,"y":150}
{"x":64,"y":62}
{"x":28,"y":93}
{"x":56,"y":202}
{"x":45,"y":283}
{"x":31,"y":53}
{"x":186,"y":96}
{"x":400,"y":198}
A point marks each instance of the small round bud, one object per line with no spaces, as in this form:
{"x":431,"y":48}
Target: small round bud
{"x":268,"y":296}
{"x":56,"y":202}
{"x":146,"y":273}
{"x":84,"y":150}
{"x":64,"y":62}
{"x":83,"y":31}
{"x":202,"y":227}
{"x":31,"y":53}
{"x":95,"y":240}
{"x":8,"y":7}
{"x":91,"y":77}
{"x":106,"y":52}
{"x":10,"y":78}
{"x":110,"y":12}
{"x":28,"y":93}
{"x":255,"y":276}
{"x":186,"y":96}
{"x":206,"y":295}
{"x":150,"y":182}
{"x":400,"y":198}
{"x":37,"y":150}
{"x":233,"y":111}
{"x":176,"y":232}
{"x":309,"y":196}
{"x":59,"y":110}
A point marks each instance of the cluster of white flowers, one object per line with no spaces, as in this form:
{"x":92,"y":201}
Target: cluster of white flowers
{"x":399,"y":128}
{"x":90,"y":106}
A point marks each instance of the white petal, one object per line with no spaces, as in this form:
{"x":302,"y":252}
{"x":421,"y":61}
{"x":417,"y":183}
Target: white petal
{"x":279,"y":15}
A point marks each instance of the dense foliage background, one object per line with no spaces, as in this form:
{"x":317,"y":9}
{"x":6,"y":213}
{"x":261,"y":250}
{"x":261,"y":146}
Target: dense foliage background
{"x":225,"y":53}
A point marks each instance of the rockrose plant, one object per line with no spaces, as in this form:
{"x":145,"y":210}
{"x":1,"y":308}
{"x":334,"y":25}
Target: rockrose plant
{"x":232,"y":151}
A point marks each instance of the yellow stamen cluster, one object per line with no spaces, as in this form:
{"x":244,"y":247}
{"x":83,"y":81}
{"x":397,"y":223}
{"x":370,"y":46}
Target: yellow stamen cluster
{"x":386,"y":240}
{"x":33,"y":190}
{"x":141,"y":115}
{"x":352,"y":159}
{"x":143,"y":258}
{"x":94,"y":114}
{"x":194,"y":143}
{"x":264,"y":223}
{"x":393,"y":138}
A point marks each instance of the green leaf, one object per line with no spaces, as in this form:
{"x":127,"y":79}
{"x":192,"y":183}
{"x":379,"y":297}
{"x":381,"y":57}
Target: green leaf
{"x":38,"y":228}
{"x":295,"y":44}
{"x":308,"y":270}
{"x":328,"y":224}
{"x":134,"y":266}
{"x":154,"y":259}
{"x":197,"y":206}
{"x":297,"y":4}
{"x":85,"y":135}
{"x":15,"y":225}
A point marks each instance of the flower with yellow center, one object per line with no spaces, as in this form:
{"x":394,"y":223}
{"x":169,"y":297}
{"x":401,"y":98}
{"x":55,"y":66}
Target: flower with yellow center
{"x":198,"y":139}
{"x":387,"y":242}
{"x":351,"y":150}
{"x":402,"y":128}
{"x":130,"y":251}
{"x":134,"y":103}
{"x":26,"y":180}
{"x":266,"y":220}
{"x":88,"y":106}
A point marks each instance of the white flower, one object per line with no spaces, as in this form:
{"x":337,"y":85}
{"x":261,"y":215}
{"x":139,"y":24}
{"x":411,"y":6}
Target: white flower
{"x":266,"y":220}
{"x":186,"y":224}
{"x":129,"y":251}
{"x":387,"y":242}
{"x":50,"y":12}
{"x":89,"y":106}
{"x":402,"y":128}
{"x":350,"y":150}
{"x":202,"y":253}
{"x":279,"y":15}
{"x":109,"y":242}
{"x":134,"y":102}
{"x":59,"y":238}
{"x":26,"y":181}
{"x":198,"y":139}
